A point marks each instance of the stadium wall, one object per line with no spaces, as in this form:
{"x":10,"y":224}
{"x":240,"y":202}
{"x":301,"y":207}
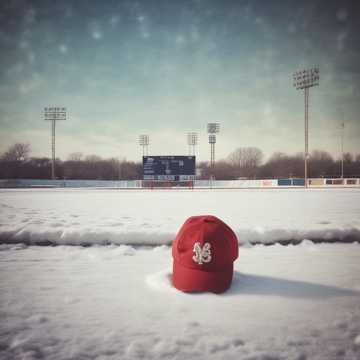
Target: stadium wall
{"x":199,"y":184}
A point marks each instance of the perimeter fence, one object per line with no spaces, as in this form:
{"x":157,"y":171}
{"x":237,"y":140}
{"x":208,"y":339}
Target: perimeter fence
{"x":197,"y":184}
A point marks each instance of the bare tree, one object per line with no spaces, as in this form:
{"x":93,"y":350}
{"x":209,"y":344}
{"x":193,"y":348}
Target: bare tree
{"x":320,"y":164}
{"x":321,"y":155}
{"x":17,"y":152}
{"x":75,"y":156}
{"x":246,"y":157}
{"x":282,"y":165}
{"x":92,"y":158}
{"x":246,"y":161}
{"x":348,"y":157}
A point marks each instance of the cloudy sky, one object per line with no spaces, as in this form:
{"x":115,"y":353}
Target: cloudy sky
{"x":165,"y":68}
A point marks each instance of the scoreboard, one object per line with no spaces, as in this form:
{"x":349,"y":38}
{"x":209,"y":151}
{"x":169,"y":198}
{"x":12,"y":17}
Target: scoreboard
{"x":169,"y":168}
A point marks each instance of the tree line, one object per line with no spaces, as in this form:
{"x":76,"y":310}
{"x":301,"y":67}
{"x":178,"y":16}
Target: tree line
{"x":243,"y":163}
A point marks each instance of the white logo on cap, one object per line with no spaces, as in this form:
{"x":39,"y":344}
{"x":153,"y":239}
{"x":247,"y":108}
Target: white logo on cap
{"x":202,"y":254}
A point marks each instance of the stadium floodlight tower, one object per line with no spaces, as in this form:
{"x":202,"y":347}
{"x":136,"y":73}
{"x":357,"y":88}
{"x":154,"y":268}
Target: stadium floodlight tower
{"x":192,"y":139}
{"x":303,"y":80}
{"x":144,"y":143}
{"x":54,"y":114}
{"x":212,"y":129}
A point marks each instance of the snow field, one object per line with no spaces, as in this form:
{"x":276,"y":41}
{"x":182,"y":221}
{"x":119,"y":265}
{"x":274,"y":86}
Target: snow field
{"x":117,"y":302}
{"x":146,"y":217}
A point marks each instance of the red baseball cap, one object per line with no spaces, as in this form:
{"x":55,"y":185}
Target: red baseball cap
{"x":204,"y":251}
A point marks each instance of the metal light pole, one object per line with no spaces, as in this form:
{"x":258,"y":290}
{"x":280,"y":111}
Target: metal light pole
{"x":212,"y":142}
{"x":342,"y":149}
{"x":144,"y":143}
{"x":305,"y":79}
{"x":212,"y":129}
{"x":192,"y":139}
{"x":53,"y":114}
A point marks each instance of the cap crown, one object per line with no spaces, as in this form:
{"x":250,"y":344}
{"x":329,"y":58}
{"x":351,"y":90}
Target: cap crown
{"x":206,"y":243}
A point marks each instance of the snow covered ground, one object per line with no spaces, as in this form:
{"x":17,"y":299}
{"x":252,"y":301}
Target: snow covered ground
{"x":89,"y":216}
{"x":116,"y":302}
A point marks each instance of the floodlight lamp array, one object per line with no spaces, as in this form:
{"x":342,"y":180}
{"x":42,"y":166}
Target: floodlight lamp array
{"x":213,"y":128}
{"x":306,"y":78}
{"x":55,"y":113}
{"x":212,"y":139}
{"x":192,"y":138}
{"x":144,"y":140}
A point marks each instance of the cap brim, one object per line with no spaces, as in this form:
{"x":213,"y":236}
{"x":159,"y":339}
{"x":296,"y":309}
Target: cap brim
{"x":193,"y":280}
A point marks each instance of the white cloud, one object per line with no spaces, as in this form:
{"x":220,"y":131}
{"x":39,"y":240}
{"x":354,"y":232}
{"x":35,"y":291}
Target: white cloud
{"x":96,"y":34}
{"x":96,"y":31}
{"x":140,"y":18}
{"x":63,"y":49}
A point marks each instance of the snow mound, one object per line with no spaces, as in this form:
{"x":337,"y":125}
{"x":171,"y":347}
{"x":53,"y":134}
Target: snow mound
{"x":161,"y":281}
{"x":31,"y":235}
